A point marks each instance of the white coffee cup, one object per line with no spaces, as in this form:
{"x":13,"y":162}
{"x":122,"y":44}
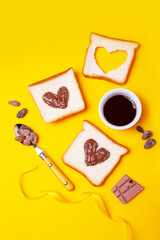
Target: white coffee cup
{"x":124,"y":92}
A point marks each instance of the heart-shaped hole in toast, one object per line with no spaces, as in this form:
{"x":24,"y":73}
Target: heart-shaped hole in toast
{"x":59,"y":100}
{"x":109,"y":61}
{"x":92,"y":155}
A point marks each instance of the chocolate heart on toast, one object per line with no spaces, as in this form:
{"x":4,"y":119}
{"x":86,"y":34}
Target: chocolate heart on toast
{"x":59,"y":100}
{"x":92,"y":155}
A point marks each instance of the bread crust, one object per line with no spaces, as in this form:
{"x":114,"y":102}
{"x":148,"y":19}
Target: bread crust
{"x":54,"y":77}
{"x":50,"y":78}
{"x":106,"y":78}
{"x":104,"y":179}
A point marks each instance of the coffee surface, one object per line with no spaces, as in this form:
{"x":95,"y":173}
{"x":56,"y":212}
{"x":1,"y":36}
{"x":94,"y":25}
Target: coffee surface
{"x":119,"y":110}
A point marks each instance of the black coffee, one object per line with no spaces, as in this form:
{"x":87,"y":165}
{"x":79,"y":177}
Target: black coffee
{"x":119,"y":110}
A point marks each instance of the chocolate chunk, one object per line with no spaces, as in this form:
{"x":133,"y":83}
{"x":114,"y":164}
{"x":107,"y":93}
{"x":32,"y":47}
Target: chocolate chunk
{"x":149,"y":143}
{"x":139,"y":129}
{"x":14,"y":103}
{"x":19,"y":138}
{"x":126,"y":189}
{"x":22,"y":113}
{"x":146,"y":134}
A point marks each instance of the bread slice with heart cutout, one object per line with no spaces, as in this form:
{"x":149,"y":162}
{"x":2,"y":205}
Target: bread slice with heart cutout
{"x":119,"y":75}
{"x":93,"y":154}
{"x":58,"y":96}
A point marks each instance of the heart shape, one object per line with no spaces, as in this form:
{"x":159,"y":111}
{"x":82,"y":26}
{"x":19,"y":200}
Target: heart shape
{"x":57,"y":101}
{"x":92,"y":155}
{"x":109,"y":61}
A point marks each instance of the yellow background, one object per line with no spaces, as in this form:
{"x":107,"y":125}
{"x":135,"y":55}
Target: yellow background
{"x":39,"y":39}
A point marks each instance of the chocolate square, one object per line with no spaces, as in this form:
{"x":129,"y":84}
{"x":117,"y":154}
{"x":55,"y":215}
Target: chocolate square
{"x":126,"y":189}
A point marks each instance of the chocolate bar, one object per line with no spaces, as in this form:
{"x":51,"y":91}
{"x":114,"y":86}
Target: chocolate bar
{"x":126,"y":189}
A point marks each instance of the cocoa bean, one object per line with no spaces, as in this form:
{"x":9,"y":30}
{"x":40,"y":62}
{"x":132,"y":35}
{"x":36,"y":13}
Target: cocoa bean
{"x":24,"y":132}
{"x":14,"y":103}
{"x":27,"y":141}
{"x":22,"y":113}
{"x":19,"y":138}
{"x":146,"y":134}
{"x":139,"y":129}
{"x":34,"y":138}
{"x":149,"y":143}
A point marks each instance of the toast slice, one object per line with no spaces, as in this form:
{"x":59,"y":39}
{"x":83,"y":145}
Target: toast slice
{"x":98,"y":159}
{"x":120,"y":75}
{"x":58,"y":96}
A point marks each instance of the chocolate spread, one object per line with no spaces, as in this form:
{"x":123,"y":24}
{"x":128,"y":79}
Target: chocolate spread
{"x":57,"y":101}
{"x":92,"y":155}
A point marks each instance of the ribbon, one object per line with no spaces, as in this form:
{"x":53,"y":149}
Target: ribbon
{"x":97,"y":198}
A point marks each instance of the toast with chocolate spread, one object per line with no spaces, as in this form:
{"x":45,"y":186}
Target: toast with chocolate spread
{"x":58,"y":96}
{"x":93,"y":154}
